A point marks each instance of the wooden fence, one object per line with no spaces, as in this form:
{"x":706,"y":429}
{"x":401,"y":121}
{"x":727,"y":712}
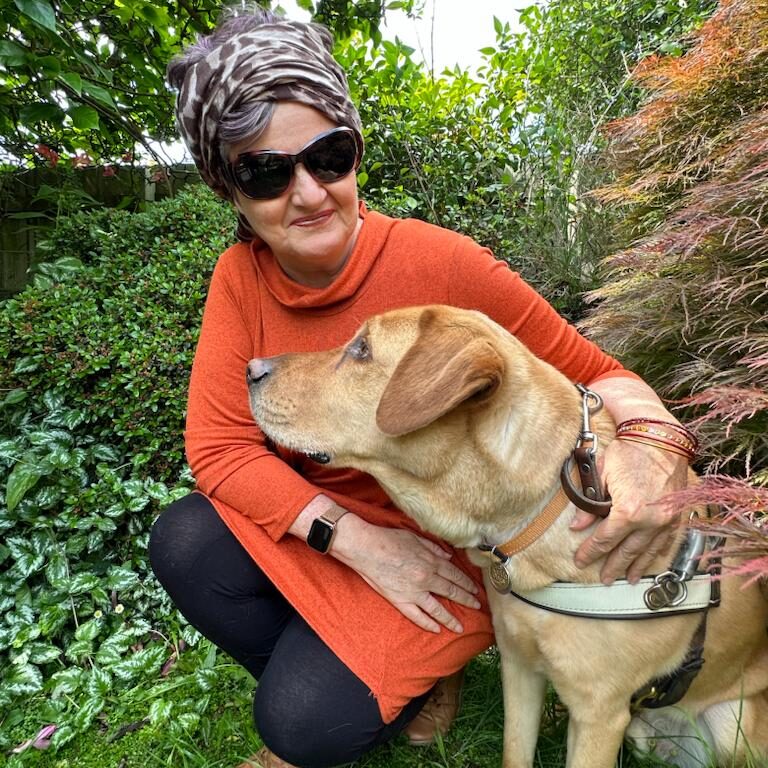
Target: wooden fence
{"x":31,"y":200}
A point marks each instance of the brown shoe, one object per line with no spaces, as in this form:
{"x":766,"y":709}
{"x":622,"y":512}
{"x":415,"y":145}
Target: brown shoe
{"x":438,"y":714}
{"x":265,"y":759}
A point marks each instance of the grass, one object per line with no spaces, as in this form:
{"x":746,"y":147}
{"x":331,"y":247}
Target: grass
{"x":224,"y":734}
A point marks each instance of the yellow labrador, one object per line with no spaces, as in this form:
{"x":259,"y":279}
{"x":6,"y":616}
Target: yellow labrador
{"x":467,"y":431}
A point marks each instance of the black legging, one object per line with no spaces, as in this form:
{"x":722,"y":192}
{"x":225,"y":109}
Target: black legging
{"x":309,"y":708}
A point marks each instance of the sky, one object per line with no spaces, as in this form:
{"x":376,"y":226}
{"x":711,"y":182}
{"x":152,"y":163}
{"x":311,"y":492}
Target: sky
{"x":458,"y":33}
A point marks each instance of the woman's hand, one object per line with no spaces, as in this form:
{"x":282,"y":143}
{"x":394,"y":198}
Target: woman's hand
{"x":407,"y":570}
{"x":638,"y":528}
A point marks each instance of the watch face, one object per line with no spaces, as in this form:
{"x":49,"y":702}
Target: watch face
{"x":320,"y":535}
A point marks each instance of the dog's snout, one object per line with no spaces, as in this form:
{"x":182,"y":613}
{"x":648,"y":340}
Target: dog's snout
{"x":257,"y":370}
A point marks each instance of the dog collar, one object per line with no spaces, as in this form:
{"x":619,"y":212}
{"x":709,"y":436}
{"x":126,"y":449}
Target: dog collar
{"x":541,"y":523}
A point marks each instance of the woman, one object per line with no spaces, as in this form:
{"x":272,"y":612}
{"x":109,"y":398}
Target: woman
{"x":366,"y":637}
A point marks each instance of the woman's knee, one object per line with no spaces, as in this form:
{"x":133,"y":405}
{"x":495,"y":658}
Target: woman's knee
{"x":179,"y":534}
{"x":313,"y":730}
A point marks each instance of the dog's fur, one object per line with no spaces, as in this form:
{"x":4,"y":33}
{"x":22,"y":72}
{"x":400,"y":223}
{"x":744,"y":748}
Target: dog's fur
{"x":466,"y":430}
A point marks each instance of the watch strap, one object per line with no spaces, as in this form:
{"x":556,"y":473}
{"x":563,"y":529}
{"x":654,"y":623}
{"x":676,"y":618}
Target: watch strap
{"x":334,"y":514}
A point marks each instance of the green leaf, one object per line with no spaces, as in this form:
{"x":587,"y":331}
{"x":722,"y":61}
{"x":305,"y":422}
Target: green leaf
{"x":12,"y":55}
{"x":112,"y":649}
{"x":22,"y":479}
{"x":121,"y":579}
{"x":53,"y":400}
{"x":71,"y":418}
{"x":67,"y":681}
{"x":140,"y":663}
{"x":87,"y":713}
{"x":41,"y":113}
{"x":15,"y":395}
{"x":73,"y":80}
{"x":23,"y":680}
{"x":63,"y":735}
{"x":99,"y":683}
{"x":10,"y":449}
{"x":50,"y":66}
{"x":39,"y":11}
{"x":42,"y":653}
{"x":160,"y":710}
{"x":84,"y":118}
{"x":56,"y":571}
{"x":78,"y":649}
{"x":102,"y":95}
{"x":89,"y":630}
{"x":53,"y":618}
{"x":83,"y":582}
{"x":104,"y":452}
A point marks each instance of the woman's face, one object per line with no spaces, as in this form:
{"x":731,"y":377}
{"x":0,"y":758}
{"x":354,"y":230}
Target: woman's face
{"x":312,"y":227}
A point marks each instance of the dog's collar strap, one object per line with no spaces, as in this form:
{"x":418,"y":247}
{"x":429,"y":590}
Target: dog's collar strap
{"x":620,"y":600}
{"x":530,"y":533}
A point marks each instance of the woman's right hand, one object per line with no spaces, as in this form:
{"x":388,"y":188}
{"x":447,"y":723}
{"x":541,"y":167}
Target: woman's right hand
{"x":407,"y":570}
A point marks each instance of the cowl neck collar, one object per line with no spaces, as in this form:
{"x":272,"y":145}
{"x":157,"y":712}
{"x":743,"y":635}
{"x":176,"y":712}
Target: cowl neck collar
{"x":348,"y":285}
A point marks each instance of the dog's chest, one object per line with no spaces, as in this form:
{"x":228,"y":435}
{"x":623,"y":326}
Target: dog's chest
{"x":519,"y":626}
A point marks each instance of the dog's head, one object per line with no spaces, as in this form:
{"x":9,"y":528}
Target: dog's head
{"x":403,"y":371}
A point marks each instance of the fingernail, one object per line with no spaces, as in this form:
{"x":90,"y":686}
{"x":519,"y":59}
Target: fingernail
{"x":458,"y":628}
{"x":607,"y":580}
{"x":475,"y":603}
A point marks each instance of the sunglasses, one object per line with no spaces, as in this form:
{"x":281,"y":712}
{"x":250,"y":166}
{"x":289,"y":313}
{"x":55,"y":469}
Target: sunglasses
{"x":267,"y":174}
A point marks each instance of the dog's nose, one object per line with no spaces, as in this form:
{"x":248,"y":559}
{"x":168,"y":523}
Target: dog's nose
{"x":257,"y":369}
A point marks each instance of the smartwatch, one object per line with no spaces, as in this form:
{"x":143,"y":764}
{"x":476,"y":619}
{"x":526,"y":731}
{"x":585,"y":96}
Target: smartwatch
{"x":323,"y":529}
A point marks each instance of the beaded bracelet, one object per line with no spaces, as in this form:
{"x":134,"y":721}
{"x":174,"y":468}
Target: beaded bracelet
{"x":671,"y":425}
{"x":651,"y":432}
{"x":659,"y":434}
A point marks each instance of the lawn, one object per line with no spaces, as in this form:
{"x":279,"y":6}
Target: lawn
{"x":224,"y":734}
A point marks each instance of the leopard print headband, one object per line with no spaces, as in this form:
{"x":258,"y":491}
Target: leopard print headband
{"x":278,"y":61}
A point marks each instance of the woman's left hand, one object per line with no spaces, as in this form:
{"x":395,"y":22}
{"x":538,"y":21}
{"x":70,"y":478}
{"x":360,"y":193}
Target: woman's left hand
{"x":638,"y":528}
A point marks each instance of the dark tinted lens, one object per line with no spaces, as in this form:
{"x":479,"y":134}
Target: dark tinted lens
{"x":263,"y":176}
{"x":332,"y":157}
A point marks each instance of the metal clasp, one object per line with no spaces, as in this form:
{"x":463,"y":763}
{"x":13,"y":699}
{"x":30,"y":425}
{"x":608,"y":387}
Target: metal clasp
{"x":591,"y":403}
{"x":667,"y":591}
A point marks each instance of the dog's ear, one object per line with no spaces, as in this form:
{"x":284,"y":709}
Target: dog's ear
{"x":445,"y":367}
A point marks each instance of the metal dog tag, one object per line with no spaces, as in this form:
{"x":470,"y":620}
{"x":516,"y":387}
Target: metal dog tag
{"x":499,"y":576}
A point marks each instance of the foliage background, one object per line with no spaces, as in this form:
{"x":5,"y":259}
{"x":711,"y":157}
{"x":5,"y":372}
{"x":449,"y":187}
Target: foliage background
{"x":94,"y":355}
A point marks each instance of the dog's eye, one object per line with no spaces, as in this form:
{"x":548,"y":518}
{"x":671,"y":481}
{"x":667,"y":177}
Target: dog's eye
{"x":359,"y":349}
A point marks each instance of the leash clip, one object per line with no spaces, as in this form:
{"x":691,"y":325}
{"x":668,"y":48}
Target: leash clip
{"x":588,"y":409}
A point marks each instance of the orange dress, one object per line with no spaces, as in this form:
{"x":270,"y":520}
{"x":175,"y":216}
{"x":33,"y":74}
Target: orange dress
{"x":255,"y":310}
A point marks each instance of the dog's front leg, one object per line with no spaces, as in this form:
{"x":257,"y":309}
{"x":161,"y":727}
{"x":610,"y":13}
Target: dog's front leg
{"x":524,"y":690}
{"x":595,"y":732}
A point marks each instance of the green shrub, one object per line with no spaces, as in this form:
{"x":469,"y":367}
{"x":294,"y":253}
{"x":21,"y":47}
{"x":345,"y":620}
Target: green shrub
{"x":111,"y":323}
{"x":94,"y":358}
